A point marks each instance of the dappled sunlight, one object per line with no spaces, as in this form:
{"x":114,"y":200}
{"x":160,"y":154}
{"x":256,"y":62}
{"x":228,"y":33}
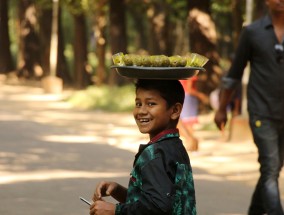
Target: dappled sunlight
{"x":10,"y":117}
{"x":76,"y":139}
{"x":37,"y":97}
{"x":129,"y":143}
{"x":56,"y":174}
{"x":227,"y":168}
{"x":227,"y":161}
{"x":53,"y":146}
{"x":207,"y":177}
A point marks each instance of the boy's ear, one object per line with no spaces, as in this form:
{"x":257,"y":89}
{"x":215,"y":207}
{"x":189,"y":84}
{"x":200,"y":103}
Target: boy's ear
{"x":176,"y":111}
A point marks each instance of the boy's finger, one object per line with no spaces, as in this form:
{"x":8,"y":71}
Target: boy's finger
{"x":109,"y":190}
{"x":96,"y":198}
{"x":98,"y":192}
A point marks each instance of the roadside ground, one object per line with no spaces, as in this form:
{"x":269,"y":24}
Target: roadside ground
{"x":51,"y":153}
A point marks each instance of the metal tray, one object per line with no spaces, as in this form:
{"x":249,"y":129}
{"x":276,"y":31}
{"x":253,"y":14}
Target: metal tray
{"x":139,"y":72}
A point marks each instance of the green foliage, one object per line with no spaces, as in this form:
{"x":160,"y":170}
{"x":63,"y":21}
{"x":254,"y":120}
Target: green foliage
{"x":221,"y":6}
{"x":77,"y":7}
{"x":113,"y":99}
{"x":46,"y":4}
{"x":177,"y":9}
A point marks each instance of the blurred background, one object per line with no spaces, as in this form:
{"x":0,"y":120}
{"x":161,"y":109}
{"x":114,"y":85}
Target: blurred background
{"x":74,"y":40}
{"x":51,"y":153}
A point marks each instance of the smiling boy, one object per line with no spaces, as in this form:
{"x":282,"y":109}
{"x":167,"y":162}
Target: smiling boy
{"x":161,"y":180}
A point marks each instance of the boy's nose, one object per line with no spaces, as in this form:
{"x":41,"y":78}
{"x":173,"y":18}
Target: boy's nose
{"x":142,"y":109}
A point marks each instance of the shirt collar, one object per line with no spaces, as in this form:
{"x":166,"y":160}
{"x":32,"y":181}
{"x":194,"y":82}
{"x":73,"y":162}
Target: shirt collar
{"x":169,"y":133}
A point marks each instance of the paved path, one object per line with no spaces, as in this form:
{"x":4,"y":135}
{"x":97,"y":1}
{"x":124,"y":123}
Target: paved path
{"x":50,"y":154}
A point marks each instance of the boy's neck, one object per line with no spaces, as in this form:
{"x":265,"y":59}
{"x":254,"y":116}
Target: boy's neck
{"x":163,"y":133}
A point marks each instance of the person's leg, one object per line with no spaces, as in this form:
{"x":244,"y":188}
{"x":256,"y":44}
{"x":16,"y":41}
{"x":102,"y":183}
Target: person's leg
{"x":190,"y":141}
{"x":268,"y":137}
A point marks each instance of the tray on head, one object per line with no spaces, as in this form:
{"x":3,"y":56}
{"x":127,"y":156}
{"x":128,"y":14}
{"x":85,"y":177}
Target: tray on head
{"x":139,"y":72}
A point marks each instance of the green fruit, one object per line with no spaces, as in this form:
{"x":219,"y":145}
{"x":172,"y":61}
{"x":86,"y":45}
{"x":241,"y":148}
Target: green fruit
{"x":145,"y":60}
{"x":128,"y":60}
{"x":159,"y":61}
{"x":177,"y":61}
{"x":118,"y":59}
{"x":137,"y":60}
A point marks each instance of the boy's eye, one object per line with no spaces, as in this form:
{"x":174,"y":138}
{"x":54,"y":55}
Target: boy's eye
{"x":138,"y":104}
{"x":151,"y":104}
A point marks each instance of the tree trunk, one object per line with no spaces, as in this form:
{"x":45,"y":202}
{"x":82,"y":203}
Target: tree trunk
{"x":44,"y":34}
{"x":237,"y":20}
{"x":158,"y":28}
{"x":141,"y":40}
{"x":62,"y":70}
{"x":118,"y":38}
{"x":29,"y":41}
{"x":100,"y":22}
{"x":6,"y":63}
{"x":203,"y":40}
{"x":260,"y":9}
{"x":81,"y":76}
{"x":177,"y":38}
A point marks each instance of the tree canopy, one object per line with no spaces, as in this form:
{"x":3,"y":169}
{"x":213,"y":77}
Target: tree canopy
{"x":91,"y":31}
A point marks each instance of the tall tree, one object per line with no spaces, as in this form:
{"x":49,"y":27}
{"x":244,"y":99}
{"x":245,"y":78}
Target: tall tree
{"x":157,"y":14}
{"x":136,"y":21}
{"x":81,"y":76}
{"x":203,"y":40}
{"x":237,"y":20}
{"x":260,"y":9}
{"x":45,"y":16}
{"x":6,"y":63}
{"x":100,"y":26}
{"x":118,"y":38}
{"x":177,"y":27}
{"x":29,"y":56}
{"x":62,"y":69}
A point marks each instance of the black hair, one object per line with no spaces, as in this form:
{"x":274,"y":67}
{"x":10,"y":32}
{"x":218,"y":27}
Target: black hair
{"x":171,"y":90}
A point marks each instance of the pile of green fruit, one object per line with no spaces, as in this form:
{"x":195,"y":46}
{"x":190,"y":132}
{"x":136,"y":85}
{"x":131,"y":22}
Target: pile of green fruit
{"x":190,"y":60}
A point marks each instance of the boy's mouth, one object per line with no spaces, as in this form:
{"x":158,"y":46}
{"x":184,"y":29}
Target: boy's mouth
{"x":144,"y":120}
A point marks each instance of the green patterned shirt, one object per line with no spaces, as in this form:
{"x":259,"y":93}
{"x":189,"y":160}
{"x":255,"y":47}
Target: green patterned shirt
{"x":161,"y":181}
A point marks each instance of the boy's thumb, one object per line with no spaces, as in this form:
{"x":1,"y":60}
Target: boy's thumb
{"x":108,"y":191}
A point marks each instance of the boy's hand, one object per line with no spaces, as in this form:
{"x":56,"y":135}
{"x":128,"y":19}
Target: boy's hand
{"x":102,"y":208}
{"x":104,"y":188}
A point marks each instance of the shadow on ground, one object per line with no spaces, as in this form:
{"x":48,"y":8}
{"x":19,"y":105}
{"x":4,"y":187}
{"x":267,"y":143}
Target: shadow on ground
{"x":50,"y":154}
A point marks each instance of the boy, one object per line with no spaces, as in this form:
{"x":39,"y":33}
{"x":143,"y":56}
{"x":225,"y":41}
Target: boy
{"x":161,"y":180}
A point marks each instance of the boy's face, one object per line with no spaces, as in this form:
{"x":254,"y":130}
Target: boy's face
{"x":152,"y":114}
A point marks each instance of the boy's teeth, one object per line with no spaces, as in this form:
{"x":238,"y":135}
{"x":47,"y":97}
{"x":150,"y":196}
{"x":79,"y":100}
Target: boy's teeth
{"x":144,"y":120}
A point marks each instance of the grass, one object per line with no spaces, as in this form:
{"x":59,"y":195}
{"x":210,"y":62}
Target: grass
{"x":106,"y":98}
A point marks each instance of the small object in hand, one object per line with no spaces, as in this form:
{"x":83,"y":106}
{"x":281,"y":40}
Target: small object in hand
{"x":86,"y":201}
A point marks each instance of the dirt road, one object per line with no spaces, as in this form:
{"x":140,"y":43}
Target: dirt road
{"x":50,"y":154}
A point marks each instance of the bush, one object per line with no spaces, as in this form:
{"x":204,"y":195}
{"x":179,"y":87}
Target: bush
{"x":114,"y":99}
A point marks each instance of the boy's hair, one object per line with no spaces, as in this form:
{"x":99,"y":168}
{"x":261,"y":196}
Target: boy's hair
{"x":171,"y":90}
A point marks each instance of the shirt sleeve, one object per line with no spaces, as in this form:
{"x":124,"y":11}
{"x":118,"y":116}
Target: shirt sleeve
{"x":242,"y":56}
{"x":156,"y":195}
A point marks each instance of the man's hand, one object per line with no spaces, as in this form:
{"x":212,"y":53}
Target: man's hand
{"x":221,"y":119}
{"x":102,"y":208}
